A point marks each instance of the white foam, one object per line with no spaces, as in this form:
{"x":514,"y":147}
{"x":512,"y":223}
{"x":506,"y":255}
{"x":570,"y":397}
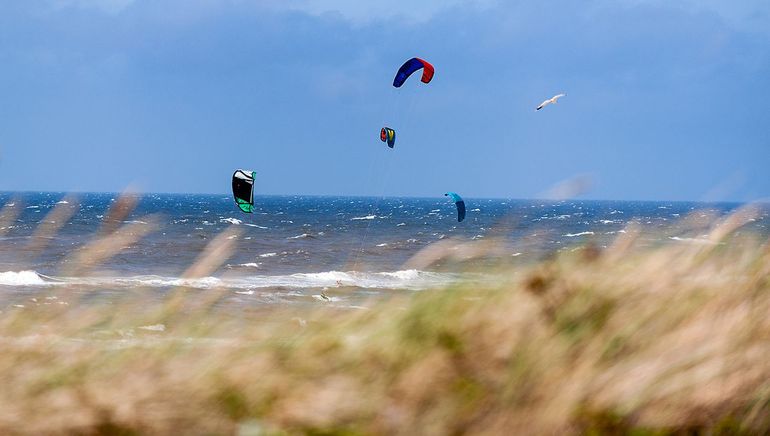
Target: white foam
{"x":268,"y":255}
{"x":572,"y":235}
{"x":63,"y":202}
{"x":409,"y":274}
{"x":367,"y":217}
{"x":302,"y":236}
{"x":148,"y":281}
{"x":400,"y":224}
{"x":22,"y":278}
{"x":254,"y":225}
{"x":404,"y":279}
{"x":382,"y":245}
{"x":250,"y":265}
{"x":699,"y":241}
{"x":235,"y":221}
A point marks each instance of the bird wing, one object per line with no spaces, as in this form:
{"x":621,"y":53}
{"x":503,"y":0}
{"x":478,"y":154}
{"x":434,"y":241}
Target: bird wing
{"x":556,"y":97}
{"x":542,"y":105}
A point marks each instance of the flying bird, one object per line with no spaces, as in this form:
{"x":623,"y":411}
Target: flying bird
{"x":549,"y":101}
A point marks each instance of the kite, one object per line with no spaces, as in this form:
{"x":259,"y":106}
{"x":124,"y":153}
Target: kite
{"x":410,"y":67}
{"x":459,"y":203}
{"x":388,"y":135}
{"x":243,"y":190}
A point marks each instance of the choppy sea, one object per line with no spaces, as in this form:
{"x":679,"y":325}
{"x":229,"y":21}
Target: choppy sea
{"x":299,"y":249}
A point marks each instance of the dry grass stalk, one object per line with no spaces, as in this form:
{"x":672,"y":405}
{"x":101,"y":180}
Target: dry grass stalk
{"x":51,"y":224}
{"x":105,"y":247}
{"x":661,"y":339}
{"x":9,"y":214}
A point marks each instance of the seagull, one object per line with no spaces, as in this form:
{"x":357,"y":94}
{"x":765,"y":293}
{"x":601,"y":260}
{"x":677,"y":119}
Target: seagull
{"x":549,"y":101}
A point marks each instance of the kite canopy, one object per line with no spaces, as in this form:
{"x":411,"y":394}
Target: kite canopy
{"x":410,"y":67}
{"x":243,"y":189}
{"x":388,"y":135}
{"x":459,"y":203}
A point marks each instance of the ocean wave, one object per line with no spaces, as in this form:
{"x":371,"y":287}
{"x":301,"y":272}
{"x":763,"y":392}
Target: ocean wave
{"x":302,"y":236}
{"x":409,"y":274}
{"x":23,"y":278}
{"x":405,"y":279}
{"x":235,"y":221}
{"x":254,"y":225}
{"x":268,"y":254}
{"x":572,"y":235}
{"x":367,"y":217}
{"x":700,"y":241}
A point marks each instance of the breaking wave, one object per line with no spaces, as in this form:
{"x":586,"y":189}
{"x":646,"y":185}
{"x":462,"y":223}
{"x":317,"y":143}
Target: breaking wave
{"x":405,"y":279}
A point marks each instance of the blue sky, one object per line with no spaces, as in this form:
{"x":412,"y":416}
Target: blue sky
{"x":666,"y":99}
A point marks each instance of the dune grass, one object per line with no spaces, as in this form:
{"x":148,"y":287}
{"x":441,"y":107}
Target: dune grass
{"x":625,"y":339}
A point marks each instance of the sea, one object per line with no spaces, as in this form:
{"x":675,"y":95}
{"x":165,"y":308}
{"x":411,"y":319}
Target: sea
{"x":307,"y":250}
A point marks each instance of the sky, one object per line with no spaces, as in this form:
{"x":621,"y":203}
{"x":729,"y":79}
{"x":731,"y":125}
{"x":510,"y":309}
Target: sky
{"x":665,"y":99}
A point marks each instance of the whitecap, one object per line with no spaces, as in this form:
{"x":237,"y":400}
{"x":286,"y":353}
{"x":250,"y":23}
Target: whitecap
{"x":268,"y":254}
{"x":572,"y":235}
{"x":302,"y":236}
{"x":22,"y":278}
{"x":367,"y":217}
{"x":700,"y":241}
